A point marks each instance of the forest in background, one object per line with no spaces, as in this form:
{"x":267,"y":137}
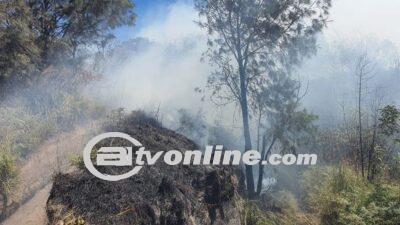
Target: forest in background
{"x":258,"y":55}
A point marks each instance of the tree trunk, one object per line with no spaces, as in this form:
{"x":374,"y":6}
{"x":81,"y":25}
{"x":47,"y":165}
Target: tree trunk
{"x":45,"y":34}
{"x":261,"y":167}
{"x":371,"y":153}
{"x":5,"y":203}
{"x":246,"y":129}
{"x":264,"y":155}
{"x":247,"y":147}
{"x":258,"y":129}
{"x":360,"y":124}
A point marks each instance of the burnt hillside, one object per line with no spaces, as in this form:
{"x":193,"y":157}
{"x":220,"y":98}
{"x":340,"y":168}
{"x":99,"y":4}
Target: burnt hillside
{"x":160,"y":194}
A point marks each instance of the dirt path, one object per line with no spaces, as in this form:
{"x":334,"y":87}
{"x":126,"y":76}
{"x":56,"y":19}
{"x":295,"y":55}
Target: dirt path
{"x":33,"y":212}
{"x":50,"y":158}
{"x":37,"y":172}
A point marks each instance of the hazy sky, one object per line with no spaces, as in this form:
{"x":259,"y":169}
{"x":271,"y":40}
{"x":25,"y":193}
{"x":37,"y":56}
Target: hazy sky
{"x":349,"y":18}
{"x":377,"y":18}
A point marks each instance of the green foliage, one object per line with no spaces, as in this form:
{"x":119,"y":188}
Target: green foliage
{"x":383,"y":205}
{"x":24,"y":130}
{"x":37,"y":34}
{"x":255,"y":216}
{"x":27,"y":130}
{"x":280,"y":112}
{"x":389,"y":120}
{"x":18,"y":52}
{"x":337,"y":195}
{"x":77,"y":161}
{"x":8,"y":172}
{"x":342,"y":197}
{"x":394,"y":169}
{"x":312,"y":183}
{"x":278,"y":208}
{"x":75,"y":109}
{"x":251,"y":40}
{"x":66,"y":26}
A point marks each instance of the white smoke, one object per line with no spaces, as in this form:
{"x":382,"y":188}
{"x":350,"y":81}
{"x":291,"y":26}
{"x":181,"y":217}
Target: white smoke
{"x":165,"y":74}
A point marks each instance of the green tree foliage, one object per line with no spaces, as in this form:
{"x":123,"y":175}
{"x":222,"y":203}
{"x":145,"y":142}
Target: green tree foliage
{"x":281,"y":120}
{"x":43,"y":44}
{"x":250,"y":38}
{"x":18,"y":51}
{"x":389,"y":124}
{"x":67,"y":25}
{"x":389,"y":120}
{"x":36,"y":34}
{"x":282,"y":117}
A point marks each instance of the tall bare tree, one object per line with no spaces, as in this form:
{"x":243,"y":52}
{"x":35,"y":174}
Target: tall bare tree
{"x":363,"y":71}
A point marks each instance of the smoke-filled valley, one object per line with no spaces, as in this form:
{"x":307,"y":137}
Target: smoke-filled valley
{"x":280,"y":77}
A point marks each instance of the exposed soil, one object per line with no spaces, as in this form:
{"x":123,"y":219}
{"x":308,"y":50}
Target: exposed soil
{"x":37,"y":172}
{"x":52,"y":157}
{"x":33,"y":212}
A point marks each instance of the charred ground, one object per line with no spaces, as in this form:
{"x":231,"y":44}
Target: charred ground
{"x":160,"y":194}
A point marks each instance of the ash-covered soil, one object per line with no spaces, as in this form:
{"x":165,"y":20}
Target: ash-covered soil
{"x":159,"y":194}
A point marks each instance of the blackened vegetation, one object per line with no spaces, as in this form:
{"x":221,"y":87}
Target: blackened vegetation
{"x":159,"y":194}
{"x":216,"y":194}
